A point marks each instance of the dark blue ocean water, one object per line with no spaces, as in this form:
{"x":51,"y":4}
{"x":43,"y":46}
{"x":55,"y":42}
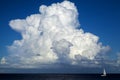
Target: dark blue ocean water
{"x":58,"y":77}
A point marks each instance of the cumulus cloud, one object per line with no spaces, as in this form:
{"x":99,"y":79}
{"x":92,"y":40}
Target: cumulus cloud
{"x":52,"y":36}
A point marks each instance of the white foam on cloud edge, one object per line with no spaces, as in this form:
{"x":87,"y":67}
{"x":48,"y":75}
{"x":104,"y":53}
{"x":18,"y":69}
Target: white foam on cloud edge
{"x":52,"y":37}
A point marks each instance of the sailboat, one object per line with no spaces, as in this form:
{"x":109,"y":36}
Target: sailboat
{"x":104,"y":73}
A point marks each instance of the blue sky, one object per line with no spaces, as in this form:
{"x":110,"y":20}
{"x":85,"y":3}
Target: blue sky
{"x":100,"y":17}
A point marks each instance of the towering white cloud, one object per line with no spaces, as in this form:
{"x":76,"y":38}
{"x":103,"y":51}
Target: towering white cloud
{"x":52,"y":37}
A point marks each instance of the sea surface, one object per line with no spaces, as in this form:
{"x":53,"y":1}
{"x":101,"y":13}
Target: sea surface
{"x":59,"y":77}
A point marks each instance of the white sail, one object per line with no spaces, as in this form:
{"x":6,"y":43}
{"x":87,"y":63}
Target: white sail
{"x":104,"y":73}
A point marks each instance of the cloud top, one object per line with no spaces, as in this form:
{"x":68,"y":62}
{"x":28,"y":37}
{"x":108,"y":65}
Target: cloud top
{"x":52,"y":36}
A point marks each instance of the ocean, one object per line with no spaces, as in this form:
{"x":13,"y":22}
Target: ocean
{"x":59,"y":77}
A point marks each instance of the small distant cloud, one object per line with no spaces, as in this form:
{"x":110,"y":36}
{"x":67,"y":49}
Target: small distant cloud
{"x":3,"y":60}
{"x":118,"y":58}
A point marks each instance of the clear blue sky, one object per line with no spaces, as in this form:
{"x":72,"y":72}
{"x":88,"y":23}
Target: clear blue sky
{"x":100,"y":17}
